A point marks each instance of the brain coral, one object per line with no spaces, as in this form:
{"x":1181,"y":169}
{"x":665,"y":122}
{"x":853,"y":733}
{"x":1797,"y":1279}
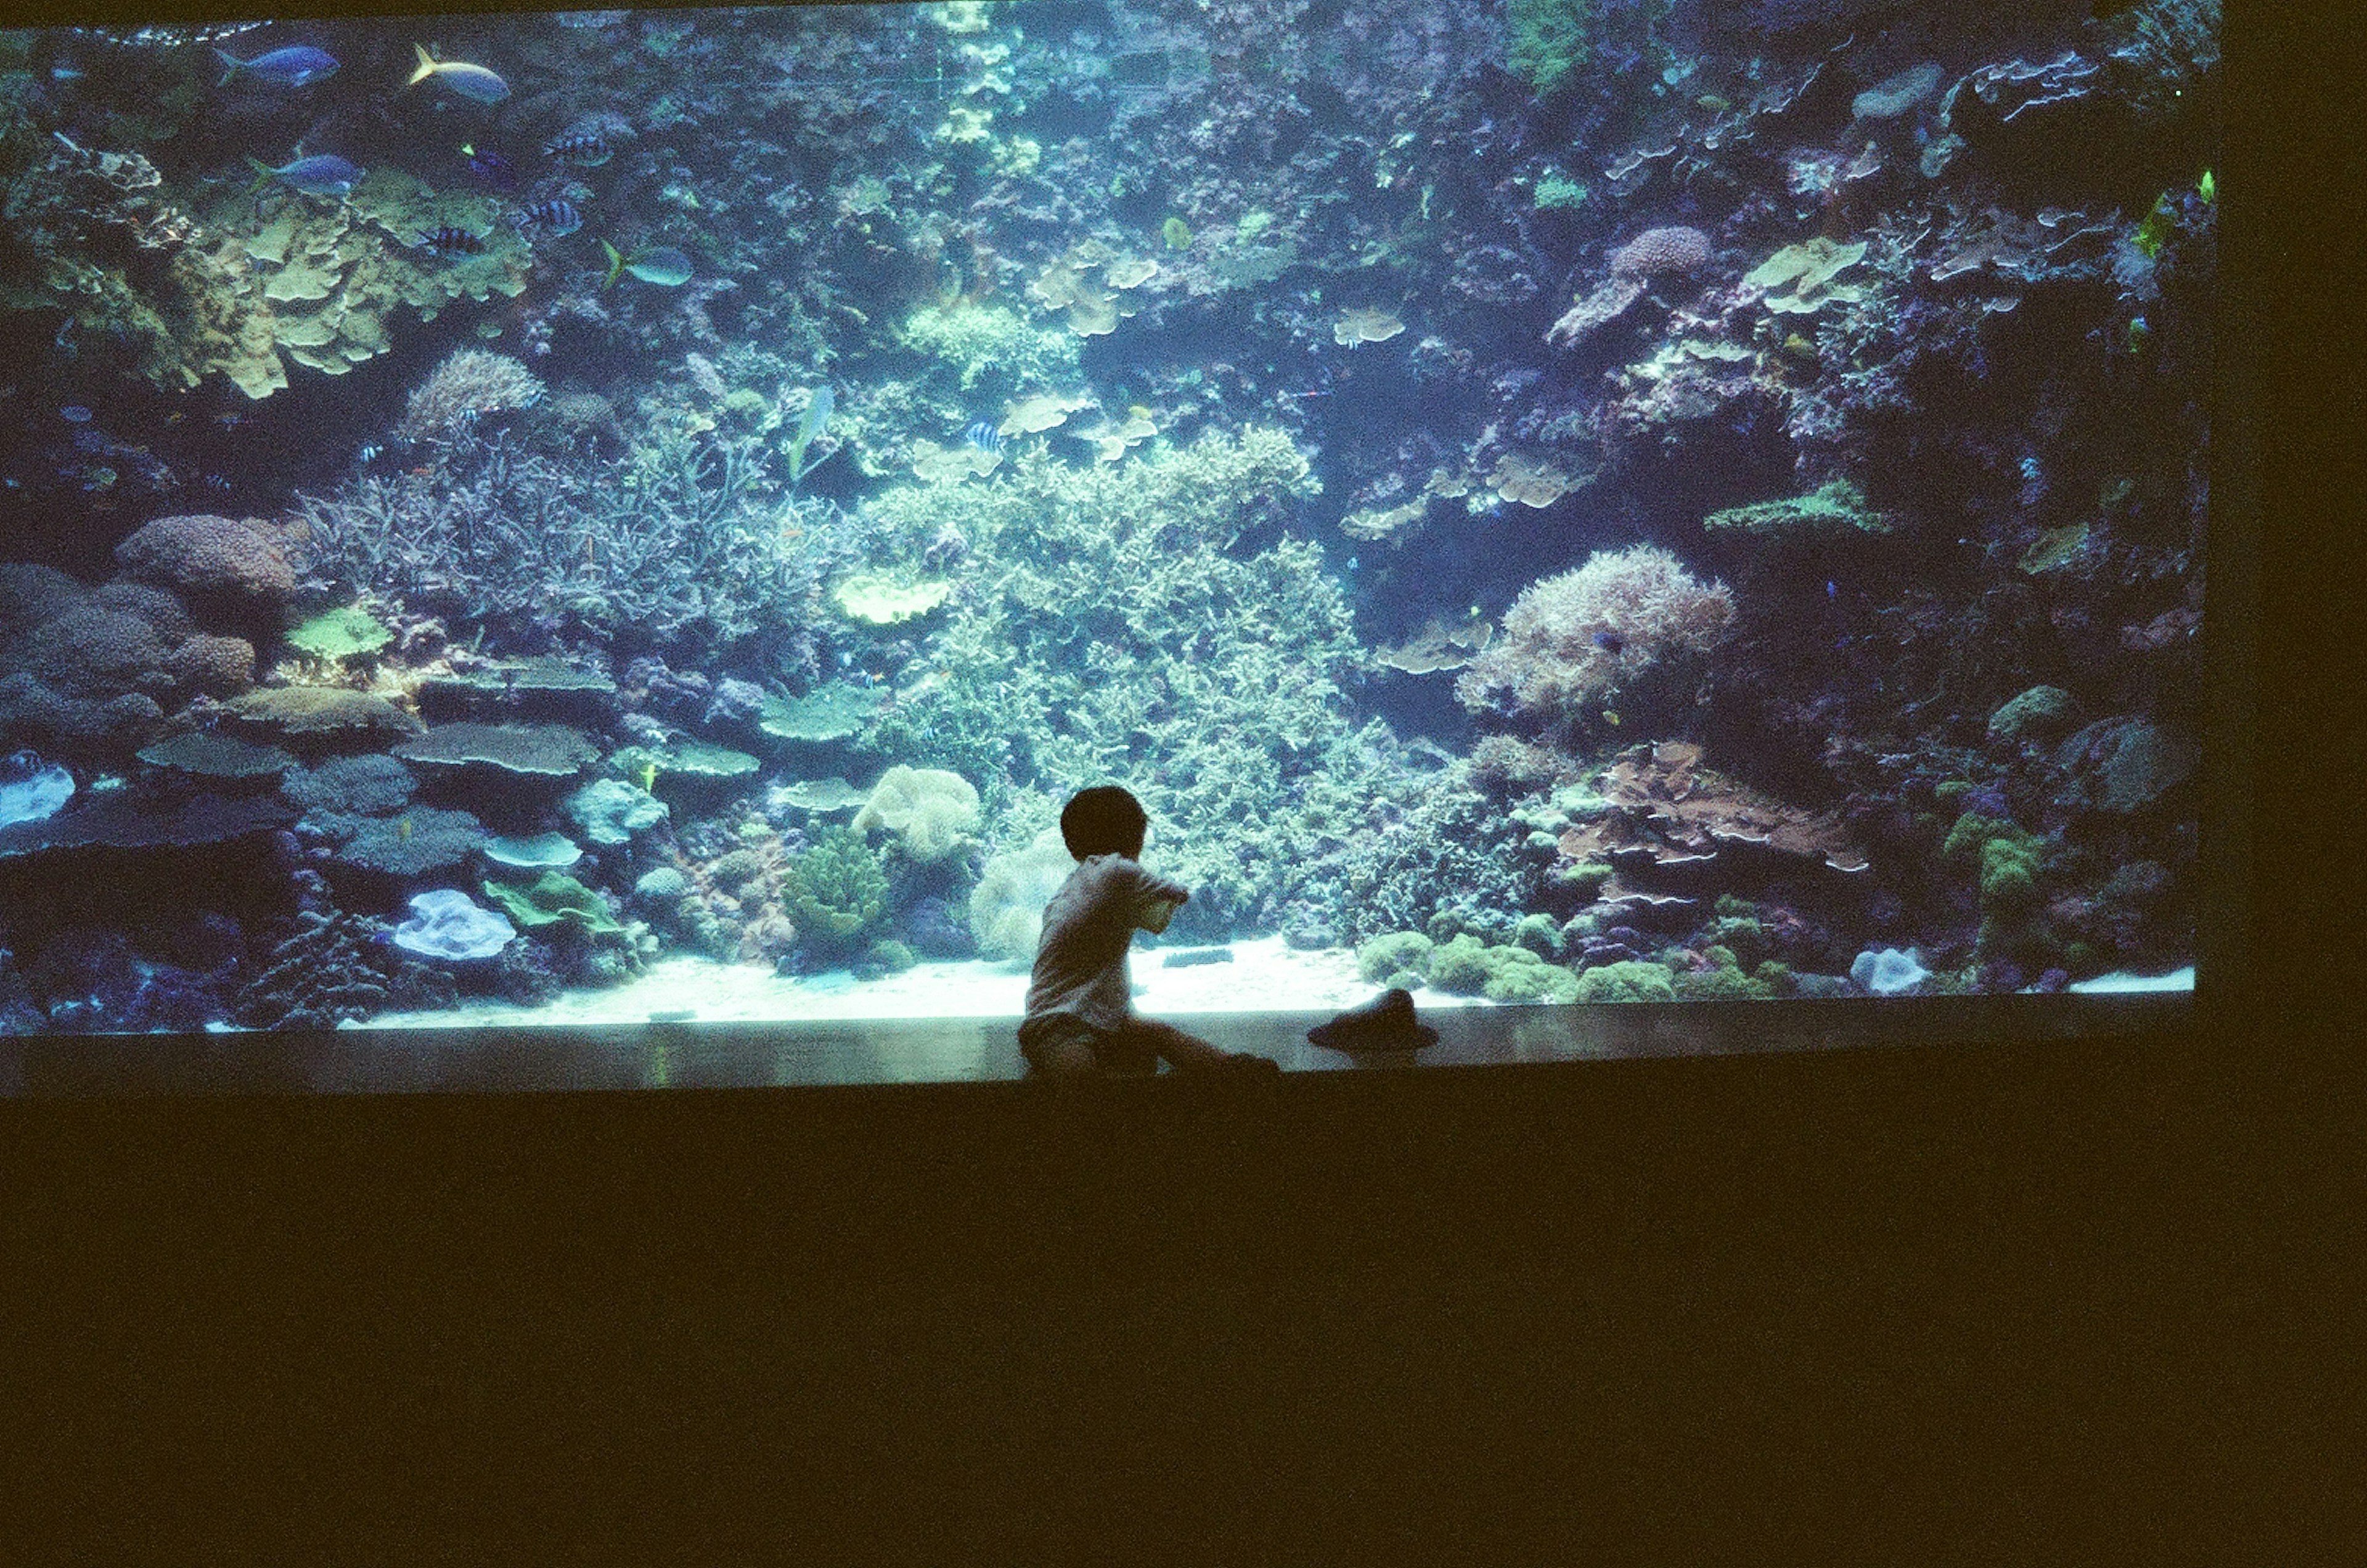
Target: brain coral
{"x":1657,"y":251}
{"x":204,"y":554}
{"x":217,"y":666}
{"x":156,"y":607}
{"x":31,"y":594}
{"x":91,"y":651}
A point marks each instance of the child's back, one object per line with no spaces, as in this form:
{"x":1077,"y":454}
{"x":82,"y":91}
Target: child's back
{"x":1079,"y":995}
{"x":1089,"y":926}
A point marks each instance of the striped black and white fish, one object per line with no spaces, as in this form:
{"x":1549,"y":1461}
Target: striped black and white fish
{"x":448,"y":241}
{"x":554,"y":218}
{"x":584,"y":149}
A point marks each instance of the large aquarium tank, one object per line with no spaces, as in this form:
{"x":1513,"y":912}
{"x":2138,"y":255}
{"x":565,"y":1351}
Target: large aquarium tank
{"x":615,"y":518}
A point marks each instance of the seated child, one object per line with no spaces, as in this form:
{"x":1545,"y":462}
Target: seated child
{"x":1079,"y":998}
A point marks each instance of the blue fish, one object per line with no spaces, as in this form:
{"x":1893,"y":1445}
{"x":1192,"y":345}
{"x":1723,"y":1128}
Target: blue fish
{"x":216,"y":482}
{"x":448,"y":241}
{"x":984,"y":436}
{"x":74,"y":413}
{"x":491,"y":167}
{"x":298,"y":65}
{"x":473,"y":82}
{"x":1610,"y":642}
{"x":556,"y":218}
{"x":584,"y":149}
{"x":322,"y":173}
{"x":1832,"y":589}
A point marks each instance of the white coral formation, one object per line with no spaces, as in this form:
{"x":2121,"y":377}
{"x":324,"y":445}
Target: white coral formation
{"x":471,"y":383}
{"x":1574,"y":638}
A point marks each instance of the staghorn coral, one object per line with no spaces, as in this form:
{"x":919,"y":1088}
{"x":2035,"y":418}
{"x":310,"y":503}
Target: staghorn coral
{"x":467,"y":386}
{"x":683,"y":539}
{"x":1114,"y":628}
{"x":1596,"y":634}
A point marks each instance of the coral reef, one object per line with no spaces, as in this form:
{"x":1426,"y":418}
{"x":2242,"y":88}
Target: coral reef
{"x":931,"y":813}
{"x":467,"y":386}
{"x":1624,"y":629}
{"x":1172,"y":396}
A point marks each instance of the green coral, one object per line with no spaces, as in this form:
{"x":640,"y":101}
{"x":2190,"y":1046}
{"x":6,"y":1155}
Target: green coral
{"x":1549,"y":38}
{"x":835,"y":891}
{"x":1395,"y":953}
{"x":1555,"y":190}
{"x":1113,"y":628}
{"x":2009,"y":862}
{"x":886,"y":956}
{"x":1809,"y":268}
{"x":1501,"y":973}
{"x":1541,"y":935}
{"x":556,"y":897}
{"x":1634,"y":981}
{"x":2035,"y":712}
{"x":340,"y":634}
{"x":1837,"y":507}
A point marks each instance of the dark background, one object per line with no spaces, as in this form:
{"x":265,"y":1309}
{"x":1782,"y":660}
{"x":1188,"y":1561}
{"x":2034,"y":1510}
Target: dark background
{"x":2040,"y":1302}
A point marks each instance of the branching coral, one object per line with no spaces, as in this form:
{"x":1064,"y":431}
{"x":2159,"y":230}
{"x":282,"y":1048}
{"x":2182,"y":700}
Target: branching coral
{"x":681,"y":539}
{"x":467,"y":384}
{"x":1112,"y":628}
{"x":1575,"y":641}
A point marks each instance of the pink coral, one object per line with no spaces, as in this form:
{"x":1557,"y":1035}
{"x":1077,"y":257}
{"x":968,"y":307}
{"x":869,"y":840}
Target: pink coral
{"x":1675,"y":249}
{"x":1572,"y":640}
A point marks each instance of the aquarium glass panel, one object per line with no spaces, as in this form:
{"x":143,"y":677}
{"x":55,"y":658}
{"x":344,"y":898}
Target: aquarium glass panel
{"x":624,"y":518}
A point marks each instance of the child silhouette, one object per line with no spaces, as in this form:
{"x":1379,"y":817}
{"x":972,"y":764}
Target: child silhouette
{"x":1081,"y":1016}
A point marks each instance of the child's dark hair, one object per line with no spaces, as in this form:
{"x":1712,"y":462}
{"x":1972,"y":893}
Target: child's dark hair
{"x":1104,"y":820}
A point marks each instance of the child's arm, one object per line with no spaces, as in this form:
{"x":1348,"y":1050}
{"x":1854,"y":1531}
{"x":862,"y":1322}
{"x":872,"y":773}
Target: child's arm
{"x":1156,"y":900}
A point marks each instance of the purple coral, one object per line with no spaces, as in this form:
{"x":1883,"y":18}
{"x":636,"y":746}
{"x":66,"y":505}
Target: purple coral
{"x":1669,"y":252}
{"x":1655,"y":252}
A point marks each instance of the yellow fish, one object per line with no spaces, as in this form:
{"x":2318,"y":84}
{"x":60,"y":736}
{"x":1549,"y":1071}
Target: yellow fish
{"x":1610,"y":718}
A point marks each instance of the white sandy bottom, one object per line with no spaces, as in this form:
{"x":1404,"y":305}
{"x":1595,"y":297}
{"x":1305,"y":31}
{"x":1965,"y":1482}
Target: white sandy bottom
{"x":1263,"y":976}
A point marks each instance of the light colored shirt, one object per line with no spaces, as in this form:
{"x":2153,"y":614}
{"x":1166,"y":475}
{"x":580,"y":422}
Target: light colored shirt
{"x":1081,"y":959}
